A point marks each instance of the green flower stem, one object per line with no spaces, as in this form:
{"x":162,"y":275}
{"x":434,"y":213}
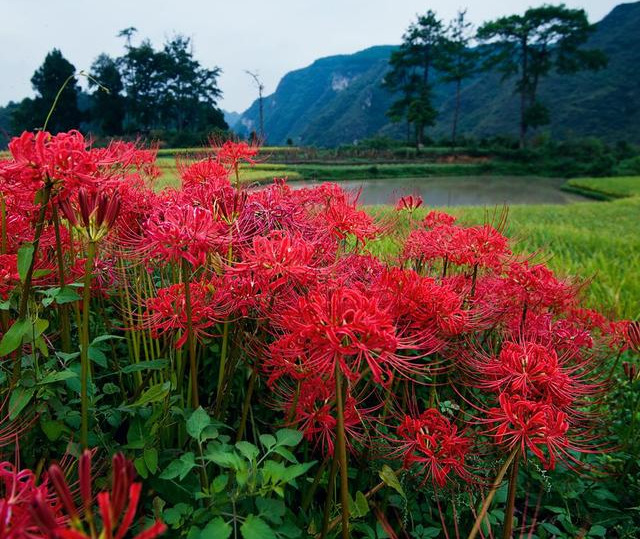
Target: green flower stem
{"x":84,"y":345}
{"x":511,"y":499}
{"x":494,"y":487}
{"x":63,"y":310}
{"x":191,"y":342}
{"x":247,"y":403}
{"x":342,"y":454}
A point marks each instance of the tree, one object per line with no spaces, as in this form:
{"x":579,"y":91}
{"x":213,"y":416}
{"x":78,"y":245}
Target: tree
{"x":260,"y":86}
{"x":531,"y":46}
{"x":410,"y":74}
{"x":47,"y":81}
{"x":108,"y":103}
{"x":457,"y":61}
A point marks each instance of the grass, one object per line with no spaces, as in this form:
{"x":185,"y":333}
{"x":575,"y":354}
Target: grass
{"x":597,"y":241}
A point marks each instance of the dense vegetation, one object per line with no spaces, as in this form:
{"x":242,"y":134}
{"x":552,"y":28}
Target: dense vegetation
{"x":277,"y":363}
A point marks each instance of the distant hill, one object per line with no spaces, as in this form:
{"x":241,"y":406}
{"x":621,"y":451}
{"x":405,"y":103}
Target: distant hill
{"x":339,"y":99}
{"x":231,"y":117}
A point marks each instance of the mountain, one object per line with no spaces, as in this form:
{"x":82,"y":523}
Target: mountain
{"x":339,"y":99}
{"x":231,"y":117}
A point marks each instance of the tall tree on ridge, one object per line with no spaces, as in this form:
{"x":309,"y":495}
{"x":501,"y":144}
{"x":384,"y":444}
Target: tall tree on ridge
{"x":530,"y":46}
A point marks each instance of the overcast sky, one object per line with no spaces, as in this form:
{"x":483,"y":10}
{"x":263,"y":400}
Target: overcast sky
{"x":270,"y":37}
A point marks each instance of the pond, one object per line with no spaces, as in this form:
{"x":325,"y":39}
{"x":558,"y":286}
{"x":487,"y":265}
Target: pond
{"x":460,"y":190}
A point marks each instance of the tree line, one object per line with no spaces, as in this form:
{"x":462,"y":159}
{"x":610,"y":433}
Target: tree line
{"x":525,"y":47}
{"x":142,"y":91}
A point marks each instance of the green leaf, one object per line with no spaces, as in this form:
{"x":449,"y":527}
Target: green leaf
{"x":216,"y":529}
{"x":179,"y":467}
{"x":12,"y":339}
{"x":62,"y":295}
{"x":267,"y":441}
{"x":151,"y":459}
{"x":255,"y":528}
{"x":249,"y":451}
{"x":551,"y":528}
{"x":289,"y":437}
{"x":155,"y":393}
{"x":286,"y":454}
{"x":291,"y":472}
{"x":20,"y":397}
{"x":141,"y":467}
{"x":58,"y":377}
{"x":272,"y":510}
{"x":360,"y":506}
{"x":390,"y":479}
{"x":597,"y":531}
{"x":197,"y":422}
{"x":52,"y":429}
{"x":151,"y":365}
{"x":219,"y":483}
{"x":97,"y":356}
{"x":225,"y":458}
{"x":25,"y":256}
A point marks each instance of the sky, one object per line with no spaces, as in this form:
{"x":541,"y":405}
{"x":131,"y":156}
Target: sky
{"x":270,"y":38}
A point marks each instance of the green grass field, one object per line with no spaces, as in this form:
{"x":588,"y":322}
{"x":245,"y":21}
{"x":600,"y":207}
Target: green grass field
{"x":598,"y":241}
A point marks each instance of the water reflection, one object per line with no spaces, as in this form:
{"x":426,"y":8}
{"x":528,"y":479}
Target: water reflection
{"x":461,"y":191}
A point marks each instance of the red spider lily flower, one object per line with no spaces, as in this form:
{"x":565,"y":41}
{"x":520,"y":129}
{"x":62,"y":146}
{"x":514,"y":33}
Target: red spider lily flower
{"x":342,"y":219}
{"x":481,"y":246}
{"x":537,"y":287}
{"x":409,"y":203}
{"x":206,"y":172}
{"x":340,"y":326}
{"x":314,"y":413}
{"x":633,"y":333}
{"x":537,"y":426}
{"x":117,"y":508}
{"x":8,"y":275}
{"x":436,"y":218}
{"x":231,"y":153}
{"x":182,"y":232}
{"x":19,"y":490}
{"x":432,"y":445}
{"x":532,"y":371}
{"x":279,"y":259}
{"x":167,"y":313}
{"x":95,"y":214}
{"x":426,"y":245}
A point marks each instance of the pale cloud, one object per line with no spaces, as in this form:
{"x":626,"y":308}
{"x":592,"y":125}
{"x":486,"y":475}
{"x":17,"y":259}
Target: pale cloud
{"x":271,"y":38}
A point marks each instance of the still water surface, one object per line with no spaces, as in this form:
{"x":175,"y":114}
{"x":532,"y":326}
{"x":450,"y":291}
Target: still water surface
{"x":460,"y":191}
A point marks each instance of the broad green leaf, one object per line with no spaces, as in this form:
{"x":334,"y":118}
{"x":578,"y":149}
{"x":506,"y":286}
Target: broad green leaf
{"x":249,"y":450}
{"x":272,"y":510}
{"x":151,"y":365}
{"x":288,"y":437}
{"x":268,"y":441}
{"x":179,"y":467}
{"x":216,"y":529}
{"x":219,"y":483}
{"x":197,"y":422}
{"x":551,"y":528}
{"x":106,"y":337}
{"x":25,"y":256}
{"x":12,"y":339}
{"x":360,"y":506}
{"x":52,"y":429}
{"x":155,"y":393}
{"x":285,"y":453}
{"x":58,"y":377}
{"x":151,"y":459}
{"x":97,"y":356}
{"x":225,"y":458}
{"x":20,"y":397}
{"x":255,"y":528}
{"x":597,"y":531}
{"x":390,"y":479}
{"x":291,"y":472}
{"x":141,"y":467}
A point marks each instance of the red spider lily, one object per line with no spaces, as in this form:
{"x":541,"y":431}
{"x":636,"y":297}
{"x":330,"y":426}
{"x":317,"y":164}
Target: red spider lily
{"x":537,"y":288}
{"x":182,"y":232}
{"x":533,"y":425}
{"x":231,"y":153}
{"x":343,"y":219}
{"x":19,"y":490}
{"x":633,"y":333}
{"x":117,"y":508}
{"x":435,"y":218}
{"x":409,"y":203}
{"x":313,"y":410}
{"x":432,"y":445}
{"x":95,"y":214}
{"x":206,"y":172}
{"x":340,"y":326}
{"x":532,"y":371}
{"x":426,"y":245}
{"x":480,"y":246}
{"x":167,"y":313}
{"x":279,"y":259}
